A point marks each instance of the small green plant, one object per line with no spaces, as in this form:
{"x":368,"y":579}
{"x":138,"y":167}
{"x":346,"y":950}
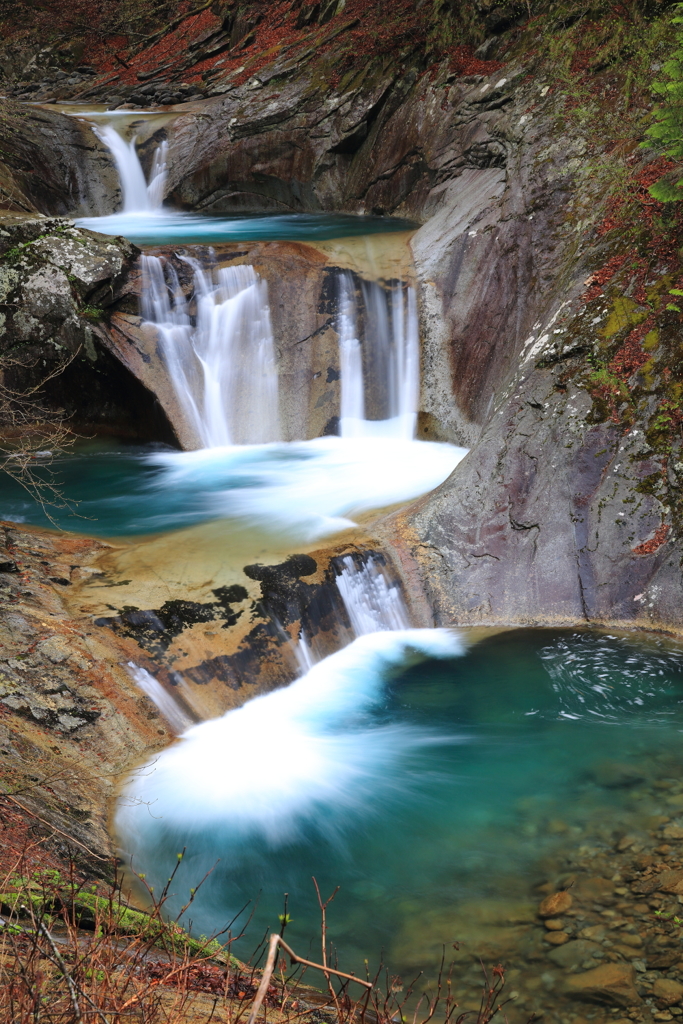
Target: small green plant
{"x":678,"y":921}
{"x":92,"y":312}
{"x":666,"y":134}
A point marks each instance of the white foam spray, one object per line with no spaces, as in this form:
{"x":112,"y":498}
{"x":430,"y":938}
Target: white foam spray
{"x":268,"y":769}
{"x":303,"y":490}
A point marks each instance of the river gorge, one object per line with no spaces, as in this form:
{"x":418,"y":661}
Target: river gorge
{"x":341,"y":500}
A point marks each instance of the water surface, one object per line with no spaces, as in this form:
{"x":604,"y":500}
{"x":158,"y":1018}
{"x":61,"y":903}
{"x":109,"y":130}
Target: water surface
{"x":422,"y":791}
{"x":173,"y":227}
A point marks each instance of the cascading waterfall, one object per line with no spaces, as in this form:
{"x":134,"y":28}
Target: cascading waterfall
{"x":286,"y":766}
{"x":386,"y":368}
{"x":174,"y":714}
{"x":138,"y":195}
{"x":223,"y":366}
{"x":372,"y":603}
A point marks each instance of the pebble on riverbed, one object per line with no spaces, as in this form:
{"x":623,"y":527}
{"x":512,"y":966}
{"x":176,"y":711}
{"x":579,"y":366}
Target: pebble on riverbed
{"x":557,"y":903}
{"x":603,"y":945}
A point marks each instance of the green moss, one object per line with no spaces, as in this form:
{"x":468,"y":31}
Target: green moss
{"x":49,"y":894}
{"x":624,"y":313}
{"x":92,"y":312}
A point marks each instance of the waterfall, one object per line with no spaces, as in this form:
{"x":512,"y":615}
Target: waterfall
{"x":174,"y":714}
{"x":222,"y":366}
{"x":384,"y":371}
{"x":372,"y":603}
{"x":138,"y":196}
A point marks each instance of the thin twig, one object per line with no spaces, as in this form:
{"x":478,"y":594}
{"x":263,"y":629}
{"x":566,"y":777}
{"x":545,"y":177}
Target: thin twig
{"x":62,"y":966}
{"x":277,"y":940}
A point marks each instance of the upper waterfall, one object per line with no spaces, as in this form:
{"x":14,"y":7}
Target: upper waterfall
{"x":139,"y":196}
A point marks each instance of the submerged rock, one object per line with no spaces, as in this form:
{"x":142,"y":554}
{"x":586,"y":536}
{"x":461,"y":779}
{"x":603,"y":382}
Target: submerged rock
{"x":609,"y":984}
{"x":556,"y":903}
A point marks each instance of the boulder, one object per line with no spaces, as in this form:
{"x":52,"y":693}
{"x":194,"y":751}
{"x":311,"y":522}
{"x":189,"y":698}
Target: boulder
{"x":667,"y":991}
{"x":671,"y":881}
{"x":609,"y":984}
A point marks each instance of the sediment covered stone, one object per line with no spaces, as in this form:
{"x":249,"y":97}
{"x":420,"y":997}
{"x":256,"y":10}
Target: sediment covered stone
{"x":610,"y":984}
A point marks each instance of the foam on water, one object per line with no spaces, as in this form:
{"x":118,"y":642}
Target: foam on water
{"x":303,"y":490}
{"x":282,"y":761}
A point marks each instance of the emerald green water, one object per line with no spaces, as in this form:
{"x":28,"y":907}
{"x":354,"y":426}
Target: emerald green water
{"x":491,"y":770}
{"x":172,"y":227}
{"x":108,"y":490}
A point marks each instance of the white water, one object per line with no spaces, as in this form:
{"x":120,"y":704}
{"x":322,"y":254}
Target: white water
{"x":391,"y":359}
{"x":223,"y":367}
{"x":138,"y":195}
{"x":296,"y":756}
{"x":161,"y":698}
{"x":300,"y":490}
{"x":371,"y":602}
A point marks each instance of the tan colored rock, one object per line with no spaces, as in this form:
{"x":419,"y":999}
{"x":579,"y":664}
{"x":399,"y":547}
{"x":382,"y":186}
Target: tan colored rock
{"x":594,"y":932}
{"x":572,"y":954}
{"x":630,"y":939}
{"x":554,"y":924}
{"x":671,"y":881}
{"x":557,"y":903}
{"x":672,"y":832}
{"x":556,"y":938}
{"x":667,"y":991}
{"x":609,"y":984}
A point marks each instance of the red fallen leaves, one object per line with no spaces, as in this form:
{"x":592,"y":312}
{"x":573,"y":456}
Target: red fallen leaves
{"x":648,"y":547}
{"x":204,"y":977}
{"x":462,"y":61}
{"x":630,"y":356}
{"x":605,"y":274}
{"x":637,"y":188}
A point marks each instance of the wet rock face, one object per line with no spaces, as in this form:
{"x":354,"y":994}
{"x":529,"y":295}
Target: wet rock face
{"x":53,"y":164}
{"x":547,"y":519}
{"x":69,"y":712}
{"x":56,"y":285}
